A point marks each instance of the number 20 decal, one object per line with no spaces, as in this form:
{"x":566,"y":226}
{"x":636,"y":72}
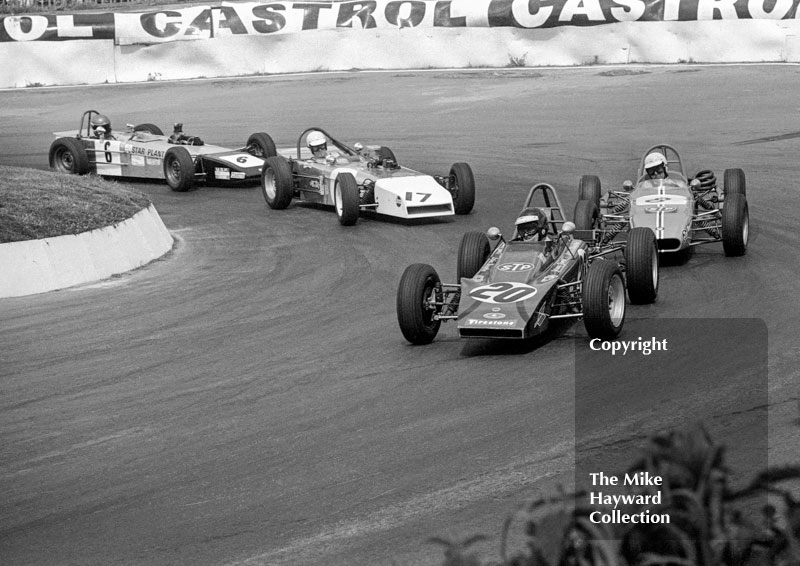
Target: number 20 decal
{"x":499,"y":293}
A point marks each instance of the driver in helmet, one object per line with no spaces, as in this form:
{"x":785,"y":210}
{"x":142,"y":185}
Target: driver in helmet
{"x":101,"y":126}
{"x":531,"y":225}
{"x":318,"y":144}
{"x":655,"y":166}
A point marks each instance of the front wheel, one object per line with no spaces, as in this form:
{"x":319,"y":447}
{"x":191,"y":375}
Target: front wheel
{"x":603,"y":300}
{"x":261,"y":145}
{"x":345,"y":199}
{"x":589,"y":189}
{"x":277,"y":185}
{"x":67,"y":155}
{"x":415,"y":313}
{"x":462,"y":187}
{"x":179,"y":169}
{"x":641,"y":258}
{"x":735,"y":225}
{"x":586,"y":215}
{"x":472,"y":253}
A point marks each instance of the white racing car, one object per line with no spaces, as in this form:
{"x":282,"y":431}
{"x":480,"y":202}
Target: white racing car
{"x":358,"y":177}
{"x":682,"y":212}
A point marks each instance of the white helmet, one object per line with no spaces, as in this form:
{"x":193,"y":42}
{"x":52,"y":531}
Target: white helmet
{"x":316,"y":140}
{"x":653,"y":161}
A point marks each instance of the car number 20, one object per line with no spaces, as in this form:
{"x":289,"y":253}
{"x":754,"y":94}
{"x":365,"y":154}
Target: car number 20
{"x":500,"y":293}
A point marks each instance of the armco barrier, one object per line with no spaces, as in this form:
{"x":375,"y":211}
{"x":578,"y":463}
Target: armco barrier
{"x":37,"y":266}
{"x":278,"y":37}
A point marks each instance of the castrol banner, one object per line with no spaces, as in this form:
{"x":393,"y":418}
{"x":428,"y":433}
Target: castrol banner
{"x":270,"y":18}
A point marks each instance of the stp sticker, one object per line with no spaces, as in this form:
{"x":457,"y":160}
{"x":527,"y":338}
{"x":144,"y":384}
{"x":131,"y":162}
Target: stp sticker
{"x":662,"y":200}
{"x":515,"y":266}
{"x":222,"y":173}
{"x":505,"y":292}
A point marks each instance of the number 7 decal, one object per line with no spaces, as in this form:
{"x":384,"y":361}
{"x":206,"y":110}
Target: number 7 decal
{"x":425,"y":196}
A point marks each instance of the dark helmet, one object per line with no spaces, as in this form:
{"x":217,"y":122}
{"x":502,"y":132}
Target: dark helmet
{"x":531,"y":223}
{"x":100,"y":121}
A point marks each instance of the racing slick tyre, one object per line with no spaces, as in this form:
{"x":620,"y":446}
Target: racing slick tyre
{"x":472,"y":253}
{"x":385,"y":153}
{"x":277,"y":184}
{"x":589,"y":189}
{"x":735,"y":225}
{"x":179,"y":169}
{"x":67,"y":155}
{"x":733,"y":182}
{"x":416,"y":318}
{"x":261,"y":145}
{"x":641,"y":259}
{"x":586,"y":215}
{"x":603,"y":300}
{"x":345,"y":199}
{"x":462,"y":187}
{"x":149,"y":128}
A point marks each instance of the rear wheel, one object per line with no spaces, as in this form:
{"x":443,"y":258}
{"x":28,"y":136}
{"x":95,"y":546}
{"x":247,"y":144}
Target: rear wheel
{"x":603,"y":300}
{"x":586,"y":216}
{"x":386,"y":153}
{"x":277,"y":184}
{"x":589,"y":189}
{"x":345,"y":199}
{"x":641,"y":258}
{"x":735,"y":225}
{"x":462,"y":187}
{"x":179,"y":169}
{"x":261,"y":145}
{"x":733,"y":182}
{"x":149,"y":128}
{"x":414,"y":313}
{"x":472,"y":253}
{"x":67,"y":155}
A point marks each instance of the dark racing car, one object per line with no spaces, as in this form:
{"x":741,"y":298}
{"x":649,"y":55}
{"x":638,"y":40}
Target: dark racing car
{"x":542,"y":274}
{"x":144,"y":151}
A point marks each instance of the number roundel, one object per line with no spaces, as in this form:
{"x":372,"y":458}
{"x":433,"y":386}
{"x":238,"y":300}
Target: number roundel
{"x":501,"y":293}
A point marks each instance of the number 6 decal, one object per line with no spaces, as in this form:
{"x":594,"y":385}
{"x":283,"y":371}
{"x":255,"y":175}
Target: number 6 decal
{"x":499,"y":293}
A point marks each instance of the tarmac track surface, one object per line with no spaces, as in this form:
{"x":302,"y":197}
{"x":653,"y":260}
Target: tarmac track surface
{"x":250,"y":400}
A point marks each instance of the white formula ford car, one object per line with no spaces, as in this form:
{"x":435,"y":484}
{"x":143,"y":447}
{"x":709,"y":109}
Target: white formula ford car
{"x":358,"y":177}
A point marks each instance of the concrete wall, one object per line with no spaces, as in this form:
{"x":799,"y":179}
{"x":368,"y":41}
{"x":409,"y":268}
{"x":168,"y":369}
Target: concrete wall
{"x":37,"y":266}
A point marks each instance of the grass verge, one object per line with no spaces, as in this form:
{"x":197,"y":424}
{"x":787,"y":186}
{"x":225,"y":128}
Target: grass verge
{"x":43,"y":204}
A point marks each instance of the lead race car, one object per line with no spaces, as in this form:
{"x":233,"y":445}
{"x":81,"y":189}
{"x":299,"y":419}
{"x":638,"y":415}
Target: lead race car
{"x":682,"y":212}
{"x":516,"y":289}
{"x":144,"y":151}
{"x":358,"y":178}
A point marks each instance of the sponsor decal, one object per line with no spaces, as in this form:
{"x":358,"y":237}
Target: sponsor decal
{"x":503,"y":293}
{"x":222,"y":173}
{"x":137,"y":160}
{"x":494,"y":315}
{"x":256,"y":18}
{"x":515,"y":267}
{"x":548,"y":277}
{"x":238,"y":175}
{"x":314,"y":183}
{"x":398,"y":201}
{"x":152,"y":160}
{"x":142,"y":150}
{"x":477,"y":322}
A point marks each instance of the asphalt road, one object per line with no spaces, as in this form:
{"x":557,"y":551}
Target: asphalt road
{"x":250,"y":400}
